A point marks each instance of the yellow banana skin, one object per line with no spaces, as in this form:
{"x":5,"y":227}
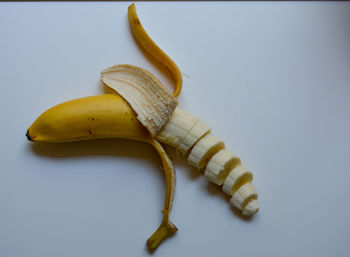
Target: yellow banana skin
{"x":101,"y":116}
{"x":104,"y":116}
{"x":151,"y":47}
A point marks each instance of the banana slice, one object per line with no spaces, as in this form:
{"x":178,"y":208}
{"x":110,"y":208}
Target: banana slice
{"x":238,"y":176}
{"x":182,"y":131}
{"x":149,"y":98}
{"x":243,"y":195}
{"x":251,"y":208}
{"x":203,"y":150}
{"x":197,"y":131}
{"x":220,"y":165}
{"x":179,"y":125}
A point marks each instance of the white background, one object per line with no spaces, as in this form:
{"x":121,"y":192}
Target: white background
{"x":271,"y":78}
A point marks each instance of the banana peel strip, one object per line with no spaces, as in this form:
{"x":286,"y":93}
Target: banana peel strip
{"x":151,"y":47}
{"x":166,"y":228}
{"x":150,"y":99}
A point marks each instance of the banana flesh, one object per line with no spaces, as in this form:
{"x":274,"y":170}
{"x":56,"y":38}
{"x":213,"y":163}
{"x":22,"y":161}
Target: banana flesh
{"x":206,"y":152}
{"x":251,"y":208}
{"x":181,"y":122}
{"x":243,"y":195}
{"x":203,"y":150}
{"x":220,"y":165}
{"x":150,"y":99}
{"x":238,"y":176}
{"x":182,"y":131}
{"x":199,"y":130}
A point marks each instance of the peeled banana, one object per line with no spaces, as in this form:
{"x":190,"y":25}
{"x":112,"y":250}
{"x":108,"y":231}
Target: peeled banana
{"x":143,"y":109}
{"x":110,"y":116}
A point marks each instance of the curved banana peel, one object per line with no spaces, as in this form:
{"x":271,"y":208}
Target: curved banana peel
{"x":166,"y":228}
{"x":147,"y":43}
{"x":149,"y":98}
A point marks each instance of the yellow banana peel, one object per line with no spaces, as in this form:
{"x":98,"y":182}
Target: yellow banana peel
{"x":146,"y":41}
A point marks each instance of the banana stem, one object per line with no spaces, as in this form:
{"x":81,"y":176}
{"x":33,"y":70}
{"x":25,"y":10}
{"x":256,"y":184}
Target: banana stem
{"x":165,"y":230}
{"x":146,"y":41}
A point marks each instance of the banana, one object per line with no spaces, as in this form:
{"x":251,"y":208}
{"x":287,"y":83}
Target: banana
{"x":110,"y":116}
{"x":104,"y":116}
{"x":144,"y":110}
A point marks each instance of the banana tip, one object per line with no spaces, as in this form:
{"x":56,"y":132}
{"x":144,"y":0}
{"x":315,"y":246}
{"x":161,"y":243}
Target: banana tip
{"x":251,"y":208}
{"x":28,"y":136}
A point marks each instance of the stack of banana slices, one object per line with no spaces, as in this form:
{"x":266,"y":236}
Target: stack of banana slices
{"x":192,"y":139}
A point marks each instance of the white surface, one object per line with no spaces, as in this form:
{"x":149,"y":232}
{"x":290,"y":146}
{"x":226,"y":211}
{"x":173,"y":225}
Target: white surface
{"x":273,"y":81}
